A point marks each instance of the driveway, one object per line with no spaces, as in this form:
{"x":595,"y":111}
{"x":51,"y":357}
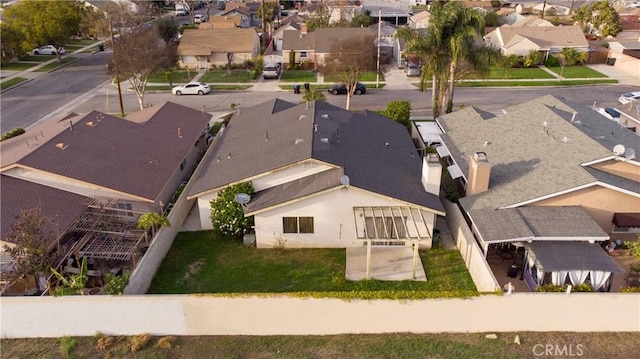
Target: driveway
{"x":387,"y":263}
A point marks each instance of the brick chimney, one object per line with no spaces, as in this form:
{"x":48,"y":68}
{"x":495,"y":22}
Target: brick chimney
{"x":303,"y":29}
{"x":431,"y":173}
{"x":479,"y":173}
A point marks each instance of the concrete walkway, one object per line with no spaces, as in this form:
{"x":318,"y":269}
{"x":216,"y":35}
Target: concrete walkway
{"x":387,"y":263}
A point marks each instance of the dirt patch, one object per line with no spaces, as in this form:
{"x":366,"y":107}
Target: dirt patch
{"x":192,"y":269}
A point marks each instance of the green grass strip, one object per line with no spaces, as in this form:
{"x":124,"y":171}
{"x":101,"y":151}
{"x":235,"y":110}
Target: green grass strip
{"x":533,"y":83}
{"x":578,"y":72}
{"x":19,"y":66}
{"x":11,"y":82}
{"x":54,"y":65}
{"x":299,"y":76}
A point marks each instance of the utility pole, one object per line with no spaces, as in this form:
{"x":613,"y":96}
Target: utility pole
{"x":115,"y":68}
{"x":378,"y":61}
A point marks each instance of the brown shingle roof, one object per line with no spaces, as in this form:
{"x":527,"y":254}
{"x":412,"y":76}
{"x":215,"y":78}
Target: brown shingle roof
{"x":320,"y":40}
{"x":545,"y":36}
{"x":206,"y":41}
{"x":136,"y":156}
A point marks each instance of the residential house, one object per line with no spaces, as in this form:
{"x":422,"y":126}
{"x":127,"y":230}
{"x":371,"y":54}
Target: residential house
{"x":387,"y":42}
{"x":395,"y":13}
{"x":248,"y":18}
{"x":83,"y":168}
{"x":630,"y":48}
{"x":335,"y":11}
{"x":548,"y":40}
{"x":420,"y":20}
{"x":278,"y":35}
{"x":314,"y":46}
{"x":552,"y":177}
{"x":223,"y":22}
{"x":202,"y":48}
{"x":324,"y":177}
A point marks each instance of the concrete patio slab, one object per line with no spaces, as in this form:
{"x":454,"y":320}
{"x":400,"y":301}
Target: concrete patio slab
{"x":386,"y":264}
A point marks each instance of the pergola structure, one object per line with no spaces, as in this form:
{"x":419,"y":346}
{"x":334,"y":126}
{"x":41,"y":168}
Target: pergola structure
{"x":391,"y":225}
{"x":109,"y":229}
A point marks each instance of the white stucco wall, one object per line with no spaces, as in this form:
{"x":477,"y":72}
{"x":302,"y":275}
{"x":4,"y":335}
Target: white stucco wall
{"x":333,"y":216}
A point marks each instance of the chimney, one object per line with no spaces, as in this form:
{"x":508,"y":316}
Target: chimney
{"x":303,"y":29}
{"x":479,"y":173}
{"x":431,"y":173}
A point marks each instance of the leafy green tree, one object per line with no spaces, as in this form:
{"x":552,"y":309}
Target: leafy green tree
{"x":227,"y":215}
{"x":533,"y":58}
{"x":601,"y":16}
{"x":45,"y":22}
{"x":11,"y":44}
{"x":349,"y":59}
{"x":399,"y":111}
{"x":506,"y":62}
{"x":31,"y":235}
{"x":313,"y":95}
{"x":491,"y":19}
{"x":115,"y":284}
{"x":569,"y":57}
{"x":153,"y":221}
{"x":168,"y":28}
{"x":362,"y":20}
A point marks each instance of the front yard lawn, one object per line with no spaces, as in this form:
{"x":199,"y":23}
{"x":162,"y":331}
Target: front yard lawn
{"x":367,"y":77}
{"x":516,"y":74}
{"x":299,"y":76}
{"x":221,"y":76}
{"x":19,"y":66}
{"x":576,"y":72}
{"x":11,"y":82}
{"x":201,"y":262}
{"x":177,"y":77}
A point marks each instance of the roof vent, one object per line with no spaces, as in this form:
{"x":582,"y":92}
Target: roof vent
{"x":386,"y":144}
{"x":229,"y":156}
{"x":91,"y":124}
{"x":302,"y":117}
{"x":324,"y":139}
{"x":298,"y":140}
{"x":325,"y":115}
{"x":61,"y":145}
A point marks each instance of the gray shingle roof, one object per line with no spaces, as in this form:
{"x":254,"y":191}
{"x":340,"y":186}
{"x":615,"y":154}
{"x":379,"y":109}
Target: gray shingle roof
{"x":536,"y":222}
{"x":529,"y":160}
{"x":61,"y":207}
{"x":135,"y":156}
{"x":559,"y":256}
{"x":320,"y":40}
{"x":355,"y":142}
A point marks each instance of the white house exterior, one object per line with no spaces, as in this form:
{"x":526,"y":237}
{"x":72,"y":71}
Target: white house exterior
{"x":323,"y":177}
{"x":548,"y":40}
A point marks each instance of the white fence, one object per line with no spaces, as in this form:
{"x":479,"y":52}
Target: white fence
{"x":473,"y":257}
{"x":32,"y":317}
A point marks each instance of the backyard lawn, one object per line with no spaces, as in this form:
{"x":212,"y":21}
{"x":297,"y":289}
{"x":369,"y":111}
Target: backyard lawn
{"x":200,"y":262}
{"x":573,"y":72}
{"x":298,"y":76}
{"x":221,"y":76}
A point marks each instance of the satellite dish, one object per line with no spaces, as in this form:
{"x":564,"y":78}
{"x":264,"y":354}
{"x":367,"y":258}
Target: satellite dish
{"x":618,"y":150}
{"x":242,"y":198}
{"x":344,"y":179}
{"x":629,"y":153}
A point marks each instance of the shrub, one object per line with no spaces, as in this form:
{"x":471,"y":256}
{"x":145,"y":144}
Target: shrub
{"x":104,"y":342}
{"x":139,"y":342}
{"x":13,"y":133}
{"x":630,"y":290}
{"x":66,"y":345}
{"x":399,"y":111}
{"x":166,"y":343}
{"x":552,"y":62}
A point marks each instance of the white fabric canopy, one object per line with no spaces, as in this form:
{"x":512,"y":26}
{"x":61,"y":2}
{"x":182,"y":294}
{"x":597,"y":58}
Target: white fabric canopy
{"x":559,"y":277}
{"x":599,"y":279}
{"x":578,"y":276}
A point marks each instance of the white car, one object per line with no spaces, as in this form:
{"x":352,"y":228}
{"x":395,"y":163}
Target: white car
{"x":48,"y":50}
{"x":625,"y":98}
{"x":192,"y":88}
{"x":199,"y":18}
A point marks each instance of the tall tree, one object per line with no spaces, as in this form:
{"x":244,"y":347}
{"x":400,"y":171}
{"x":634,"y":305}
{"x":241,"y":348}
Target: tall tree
{"x":45,"y":22}
{"x":349,"y":59}
{"x":601,"y":16}
{"x":569,"y":57}
{"x":31,"y":235}
{"x":506,"y":62}
{"x":141,"y":52}
{"x":11,"y":44}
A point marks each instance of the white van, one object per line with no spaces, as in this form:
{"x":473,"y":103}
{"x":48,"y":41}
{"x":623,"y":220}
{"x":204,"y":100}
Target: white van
{"x":182,"y":9}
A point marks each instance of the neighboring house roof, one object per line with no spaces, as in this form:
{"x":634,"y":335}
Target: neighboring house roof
{"x":136,"y":155}
{"x":546,"y":37}
{"x":375,"y":152}
{"x":222,"y":22}
{"x":293,"y":18}
{"x":535,"y":149}
{"x":421,"y":16}
{"x":628,"y":45}
{"x":233,"y":8}
{"x":386,"y":29}
{"x":61,"y":207}
{"x":320,"y":40}
{"x":530,"y":21}
{"x":536,"y":223}
{"x":204,"y":42}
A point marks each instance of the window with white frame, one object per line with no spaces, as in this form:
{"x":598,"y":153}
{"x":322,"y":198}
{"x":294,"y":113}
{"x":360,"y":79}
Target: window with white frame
{"x":303,"y":54}
{"x":297,"y":225}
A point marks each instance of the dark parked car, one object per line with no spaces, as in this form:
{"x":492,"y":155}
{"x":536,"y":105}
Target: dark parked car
{"x":341,"y":89}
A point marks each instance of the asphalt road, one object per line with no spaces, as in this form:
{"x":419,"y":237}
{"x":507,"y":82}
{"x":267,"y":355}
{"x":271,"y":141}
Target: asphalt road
{"x":31,"y":101}
{"x":489,"y":99}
